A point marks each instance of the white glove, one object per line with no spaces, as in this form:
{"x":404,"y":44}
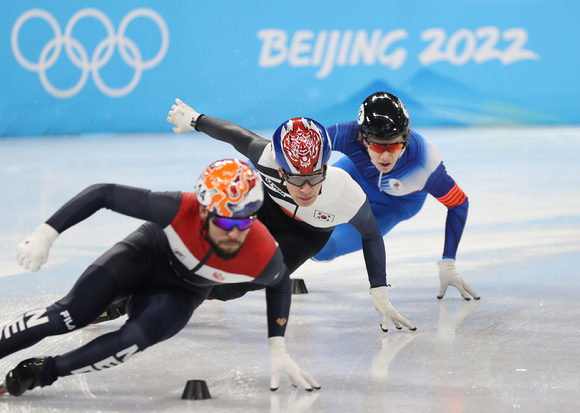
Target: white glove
{"x":387,"y":311}
{"x":449,"y":276}
{"x":183,"y":117}
{"x":33,"y":252}
{"x":281,"y":363}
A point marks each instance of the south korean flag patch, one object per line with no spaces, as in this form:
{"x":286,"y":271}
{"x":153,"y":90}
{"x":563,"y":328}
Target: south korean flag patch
{"x":323,"y":216}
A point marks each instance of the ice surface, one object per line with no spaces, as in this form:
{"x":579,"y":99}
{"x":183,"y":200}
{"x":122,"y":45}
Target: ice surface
{"x":514,"y":350}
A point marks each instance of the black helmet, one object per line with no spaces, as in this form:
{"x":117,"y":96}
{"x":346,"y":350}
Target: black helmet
{"x":383,"y":117}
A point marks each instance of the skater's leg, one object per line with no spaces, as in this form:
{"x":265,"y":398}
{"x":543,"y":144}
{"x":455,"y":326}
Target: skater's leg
{"x":91,"y":294}
{"x":153,"y":317}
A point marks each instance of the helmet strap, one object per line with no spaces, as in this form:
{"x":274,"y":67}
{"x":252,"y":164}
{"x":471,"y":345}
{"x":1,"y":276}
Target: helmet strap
{"x":204,"y":227}
{"x":364,"y":149}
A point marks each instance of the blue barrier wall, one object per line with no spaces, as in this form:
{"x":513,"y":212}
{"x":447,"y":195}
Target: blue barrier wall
{"x":71,"y":67}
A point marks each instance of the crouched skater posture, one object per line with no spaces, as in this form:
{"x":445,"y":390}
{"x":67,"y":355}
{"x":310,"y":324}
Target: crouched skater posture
{"x":190,"y":242}
{"x":397,"y":167}
{"x":305,"y":198}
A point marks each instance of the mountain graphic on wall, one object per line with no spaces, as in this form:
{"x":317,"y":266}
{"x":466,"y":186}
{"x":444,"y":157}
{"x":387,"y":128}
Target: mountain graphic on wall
{"x":454,"y":103}
{"x":435,"y":100}
{"x":348,"y":110}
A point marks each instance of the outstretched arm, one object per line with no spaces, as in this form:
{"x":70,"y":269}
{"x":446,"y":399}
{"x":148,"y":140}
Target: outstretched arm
{"x":375,"y":259}
{"x":446,"y":190}
{"x":136,"y":202}
{"x":373,"y":244}
{"x":159,"y":207}
{"x":278,"y":298}
{"x":244,"y":141}
{"x":448,"y":275}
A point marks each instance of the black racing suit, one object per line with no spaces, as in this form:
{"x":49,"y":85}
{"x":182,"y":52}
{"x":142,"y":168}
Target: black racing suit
{"x":298,"y":240}
{"x":166,"y":268}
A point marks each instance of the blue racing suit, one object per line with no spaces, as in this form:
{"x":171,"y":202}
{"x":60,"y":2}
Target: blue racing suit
{"x":399,"y":194}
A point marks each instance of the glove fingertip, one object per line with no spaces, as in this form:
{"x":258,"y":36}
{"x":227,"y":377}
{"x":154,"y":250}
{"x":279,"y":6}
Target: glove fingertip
{"x":275,"y":382}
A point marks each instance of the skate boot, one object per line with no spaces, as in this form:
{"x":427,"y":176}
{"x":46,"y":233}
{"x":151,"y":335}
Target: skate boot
{"x":114,"y":311}
{"x":25,"y":376}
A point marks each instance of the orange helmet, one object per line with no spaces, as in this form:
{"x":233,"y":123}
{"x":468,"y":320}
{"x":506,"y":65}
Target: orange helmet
{"x":230,"y":188}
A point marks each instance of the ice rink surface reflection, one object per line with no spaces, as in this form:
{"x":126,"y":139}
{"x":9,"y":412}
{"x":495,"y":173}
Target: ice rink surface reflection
{"x":514,"y":350}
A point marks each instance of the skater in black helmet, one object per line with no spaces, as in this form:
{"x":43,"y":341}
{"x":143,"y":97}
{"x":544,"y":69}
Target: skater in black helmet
{"x":397,"y":167}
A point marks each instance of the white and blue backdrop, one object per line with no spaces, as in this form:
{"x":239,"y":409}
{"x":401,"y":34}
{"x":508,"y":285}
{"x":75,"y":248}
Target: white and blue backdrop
{"x":74,"y":67}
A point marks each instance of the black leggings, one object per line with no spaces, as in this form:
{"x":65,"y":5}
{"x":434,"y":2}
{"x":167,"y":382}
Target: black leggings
{"x":156,"y":313}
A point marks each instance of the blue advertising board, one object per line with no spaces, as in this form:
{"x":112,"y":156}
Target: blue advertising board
{"x":77,"y":67}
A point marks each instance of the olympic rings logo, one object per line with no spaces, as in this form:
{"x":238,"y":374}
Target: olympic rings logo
{"x":81,"y":59}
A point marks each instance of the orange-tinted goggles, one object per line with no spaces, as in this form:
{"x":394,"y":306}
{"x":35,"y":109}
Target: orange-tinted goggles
{"x":390,"y":148}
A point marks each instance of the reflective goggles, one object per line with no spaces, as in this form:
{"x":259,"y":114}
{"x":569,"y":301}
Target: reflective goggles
{"x":392,"y":148}
{"x":300,"y":180}
{"x":227,"y":224}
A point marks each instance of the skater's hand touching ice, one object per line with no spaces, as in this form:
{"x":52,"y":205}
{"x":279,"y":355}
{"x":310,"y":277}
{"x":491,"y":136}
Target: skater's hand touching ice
{"x":448,"y":275}
{"x":281,"y":363}
{"x":387,"y":311}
